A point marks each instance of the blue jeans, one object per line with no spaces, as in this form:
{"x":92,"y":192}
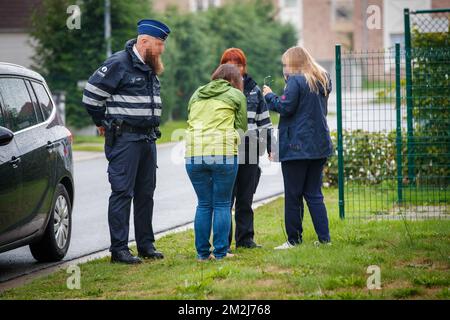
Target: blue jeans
{"x":213,"y":180}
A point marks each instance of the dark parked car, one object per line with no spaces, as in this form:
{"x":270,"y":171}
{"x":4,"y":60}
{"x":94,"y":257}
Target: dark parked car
{"x":36,"y":181}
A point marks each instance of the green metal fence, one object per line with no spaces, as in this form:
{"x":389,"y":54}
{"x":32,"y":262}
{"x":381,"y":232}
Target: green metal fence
{"x":393,"y":122}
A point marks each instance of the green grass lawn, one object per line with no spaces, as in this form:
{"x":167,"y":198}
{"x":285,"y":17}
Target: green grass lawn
{"x":413,"y":257}
{"x":375,"y":84}
{"x":379,"y":199}
{"x":274,"y":117}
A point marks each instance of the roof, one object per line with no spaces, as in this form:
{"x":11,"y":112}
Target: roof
{"x":16,"y":70}
{"x":16,"y":15}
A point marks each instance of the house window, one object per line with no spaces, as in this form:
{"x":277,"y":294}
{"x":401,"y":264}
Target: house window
{"x":341,"y":11}
{"x":202,"y":5}
{"x":290,"y":3}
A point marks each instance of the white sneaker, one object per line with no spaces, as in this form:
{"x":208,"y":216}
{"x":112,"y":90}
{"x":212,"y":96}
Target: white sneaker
{"x":227,"y":256}
{"x":285,"y":246}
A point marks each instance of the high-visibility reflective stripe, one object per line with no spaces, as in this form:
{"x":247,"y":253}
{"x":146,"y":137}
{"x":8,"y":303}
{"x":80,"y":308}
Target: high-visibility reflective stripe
{"x":91,"y":88}
{"x":252,"y":126}
{"x":129,"y":99}
{"x":157,"y":99}
{"x":93,"y":102}
{"x":133,"y":99}
{"x":130,"y":111}
{"x":134,"y":112}
{"x":251,"y":114}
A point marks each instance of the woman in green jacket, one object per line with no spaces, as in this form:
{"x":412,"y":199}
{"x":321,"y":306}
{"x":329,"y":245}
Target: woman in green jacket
{"x":217,"y":118}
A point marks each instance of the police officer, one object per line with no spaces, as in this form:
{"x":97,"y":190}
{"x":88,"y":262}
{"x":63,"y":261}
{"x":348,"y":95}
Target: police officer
{"x":123,"y":99}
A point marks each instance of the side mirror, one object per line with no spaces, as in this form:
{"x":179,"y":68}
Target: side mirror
{"x":6,"y":136}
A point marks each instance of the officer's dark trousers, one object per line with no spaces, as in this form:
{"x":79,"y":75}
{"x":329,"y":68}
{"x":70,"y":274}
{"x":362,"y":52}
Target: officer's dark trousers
{"x":244,"y":188}
{"x":132,"y":174}
{"x":303,"y":179}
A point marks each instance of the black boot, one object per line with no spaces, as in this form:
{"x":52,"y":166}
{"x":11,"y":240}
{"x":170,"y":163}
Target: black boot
{"x":124,"y":256}
{"x":248,"y":245}
{"x":150,"y":254}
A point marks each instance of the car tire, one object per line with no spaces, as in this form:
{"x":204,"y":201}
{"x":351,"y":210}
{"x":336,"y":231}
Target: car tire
{"x":55,"y":242}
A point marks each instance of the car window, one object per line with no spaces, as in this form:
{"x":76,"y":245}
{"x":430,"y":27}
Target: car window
{"x":44,"y":99}
{"x":37,"y":109}
{"x":17,"y":103}
{"x":2,"y":119}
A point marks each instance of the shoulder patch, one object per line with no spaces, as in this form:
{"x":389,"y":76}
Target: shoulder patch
{"x":102,"y":71}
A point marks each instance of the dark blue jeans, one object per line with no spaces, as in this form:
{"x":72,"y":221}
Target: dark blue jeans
{"x":303,"y":179}
{"x":213,"y":180}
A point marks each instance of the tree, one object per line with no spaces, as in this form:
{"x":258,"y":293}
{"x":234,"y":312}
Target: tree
{"x":193,"y":49}
{"x":65,"y":56}
{"x":198,"y":40}
{"x":188,"y":62}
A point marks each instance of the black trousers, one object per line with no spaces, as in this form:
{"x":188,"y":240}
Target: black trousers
{"x":303,"y":180}
{"x":132,"y":174}
{"x":247,"y":180}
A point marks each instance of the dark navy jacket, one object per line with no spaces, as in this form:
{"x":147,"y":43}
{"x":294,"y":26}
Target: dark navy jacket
{"x":259,"y":124}
{"x":303,"y":129}
{"x":124,"y":88}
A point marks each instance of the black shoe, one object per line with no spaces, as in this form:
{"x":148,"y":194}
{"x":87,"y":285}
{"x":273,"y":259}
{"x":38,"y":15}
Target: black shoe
{"x":151,"y":254}
{"x":124,"y":256}
{"x":229,"y":250}
{"x":248,"y":245}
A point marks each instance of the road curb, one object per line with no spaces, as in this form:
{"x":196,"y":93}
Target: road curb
{"x":79,"y":156}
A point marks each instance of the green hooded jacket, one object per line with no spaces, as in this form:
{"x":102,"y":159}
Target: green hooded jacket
{"x":216,"y":112}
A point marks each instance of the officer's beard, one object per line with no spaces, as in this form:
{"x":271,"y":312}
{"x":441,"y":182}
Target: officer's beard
{"x":155,"y":62}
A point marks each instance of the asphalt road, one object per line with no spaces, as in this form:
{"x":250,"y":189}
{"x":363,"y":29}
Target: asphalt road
{"x":175,"y":203}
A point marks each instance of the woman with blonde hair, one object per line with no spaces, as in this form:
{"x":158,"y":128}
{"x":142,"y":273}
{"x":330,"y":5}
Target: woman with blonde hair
{"x":304,"y":141}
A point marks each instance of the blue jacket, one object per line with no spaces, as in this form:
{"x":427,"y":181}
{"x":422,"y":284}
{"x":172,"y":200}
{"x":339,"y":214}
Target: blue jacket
{"x":303,"y":128}
{"x":124,"y":88}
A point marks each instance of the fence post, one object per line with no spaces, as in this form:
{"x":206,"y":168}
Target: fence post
{"x":339,"y":132}
{"x":409,"y":100}
{"x":398,"y":105}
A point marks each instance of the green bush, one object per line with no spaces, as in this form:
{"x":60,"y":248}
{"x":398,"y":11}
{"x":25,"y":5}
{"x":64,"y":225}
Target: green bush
{"x":371,"y":158}
{"x":368,"y":157}
{"x":431,"y":104}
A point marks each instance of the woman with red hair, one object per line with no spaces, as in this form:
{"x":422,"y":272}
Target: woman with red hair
{"x":256,"y":140}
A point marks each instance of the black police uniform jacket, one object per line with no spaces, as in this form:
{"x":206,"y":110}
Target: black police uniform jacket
{"x":124,"y":88}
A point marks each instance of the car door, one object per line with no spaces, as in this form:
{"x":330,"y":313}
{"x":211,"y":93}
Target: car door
{"x":10,"y":186}
{"x":45,"y":149}
{"x":35,"y":151}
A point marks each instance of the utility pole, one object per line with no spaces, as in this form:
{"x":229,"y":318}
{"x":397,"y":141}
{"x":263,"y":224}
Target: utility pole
{"x":108,"y":27}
